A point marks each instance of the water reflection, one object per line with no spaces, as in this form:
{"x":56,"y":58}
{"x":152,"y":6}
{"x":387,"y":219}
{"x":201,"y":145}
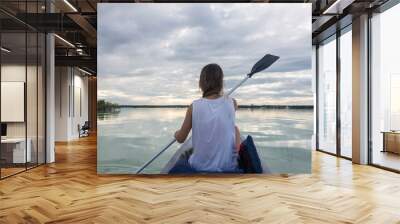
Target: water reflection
{"x":128,"y":138}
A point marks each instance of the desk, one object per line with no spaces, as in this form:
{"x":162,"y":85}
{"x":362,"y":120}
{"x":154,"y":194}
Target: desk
{"x":15,"y":148}
{"x":391,"y":141}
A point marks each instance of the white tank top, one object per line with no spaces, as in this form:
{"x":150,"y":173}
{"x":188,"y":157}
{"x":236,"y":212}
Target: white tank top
{"x":213,"y":131}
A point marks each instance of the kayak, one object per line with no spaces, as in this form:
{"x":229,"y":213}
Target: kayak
{"x":186,"y":149}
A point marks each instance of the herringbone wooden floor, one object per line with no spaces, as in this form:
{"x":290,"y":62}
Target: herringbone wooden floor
{"x":70,"y":191}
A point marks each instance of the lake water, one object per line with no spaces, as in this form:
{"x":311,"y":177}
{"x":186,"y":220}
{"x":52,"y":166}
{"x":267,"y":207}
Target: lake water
{"x":129,"y":138}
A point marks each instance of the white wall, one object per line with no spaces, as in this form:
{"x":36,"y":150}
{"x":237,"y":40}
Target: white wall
{"x":79,"y":110}
{"x":15,"y":73}
{"x":62,"y":81}
{"x":12,"y":100}
{"x":32,"y":127}
{"x":71,"y":94}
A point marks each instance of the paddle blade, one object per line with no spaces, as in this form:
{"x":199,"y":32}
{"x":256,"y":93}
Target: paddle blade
{"x":263,"y":63}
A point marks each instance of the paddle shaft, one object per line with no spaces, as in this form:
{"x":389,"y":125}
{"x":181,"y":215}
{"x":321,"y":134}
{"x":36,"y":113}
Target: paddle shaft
{"x":174,"y":140}
{"x":155,"y":156}
{"x":237,"y":86}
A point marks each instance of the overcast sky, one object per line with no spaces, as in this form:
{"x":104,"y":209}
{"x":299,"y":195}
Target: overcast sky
{"x":153,"y":53}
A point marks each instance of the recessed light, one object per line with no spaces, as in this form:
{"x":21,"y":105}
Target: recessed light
{"x":338,"y":6}
{"x":5,"y":50}
{"x":64,"y":40}
{"x":84,"y":71}
{"x":70,"y":5}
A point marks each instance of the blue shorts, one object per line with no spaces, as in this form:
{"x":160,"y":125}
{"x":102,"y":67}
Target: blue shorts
{"x":182,"y":166}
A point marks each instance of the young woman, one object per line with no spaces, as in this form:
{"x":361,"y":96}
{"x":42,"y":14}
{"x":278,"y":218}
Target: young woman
{"x":216,"y":139}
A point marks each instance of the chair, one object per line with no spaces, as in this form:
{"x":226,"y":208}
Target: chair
{"x":84,"y":130}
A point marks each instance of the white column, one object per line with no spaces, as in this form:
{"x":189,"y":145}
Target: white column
{"x":50,"y":91}
{"x":62,"y":103}
{"x":360,"y":90}
{"x":50,"y":99}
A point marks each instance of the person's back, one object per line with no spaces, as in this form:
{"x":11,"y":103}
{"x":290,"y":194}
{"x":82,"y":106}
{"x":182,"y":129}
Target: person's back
{"x":216,"y":139}
{"x":213,"y":131}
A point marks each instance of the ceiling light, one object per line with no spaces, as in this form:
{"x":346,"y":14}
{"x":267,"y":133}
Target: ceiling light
{"x":5,"y":50}
{"x":70,"y":5}
{"x":84,"y":71}
{"x":338,"y":6}
{"x":65,"y":41}
{"x":79,"y":51}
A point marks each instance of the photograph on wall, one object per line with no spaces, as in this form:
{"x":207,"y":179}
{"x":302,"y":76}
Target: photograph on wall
{"x":204,"y":88}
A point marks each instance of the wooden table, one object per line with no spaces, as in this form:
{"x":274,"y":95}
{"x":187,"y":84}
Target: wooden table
{"x":391,"y":141}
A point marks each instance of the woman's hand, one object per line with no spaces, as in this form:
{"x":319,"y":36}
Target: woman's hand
{"x":176,"y":135}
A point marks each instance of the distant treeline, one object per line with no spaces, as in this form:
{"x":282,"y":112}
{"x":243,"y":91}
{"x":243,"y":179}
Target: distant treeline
{"x":240,"y":106}
{"x":104,"y":106}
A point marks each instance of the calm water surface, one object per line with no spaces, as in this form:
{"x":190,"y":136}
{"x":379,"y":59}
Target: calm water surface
{"x":129,"y":138}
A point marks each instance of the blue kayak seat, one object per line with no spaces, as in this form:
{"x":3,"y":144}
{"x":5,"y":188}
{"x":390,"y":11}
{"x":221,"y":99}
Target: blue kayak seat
{"x":249,"y":161}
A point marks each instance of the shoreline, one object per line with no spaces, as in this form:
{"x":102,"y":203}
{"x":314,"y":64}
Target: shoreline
{"x":240,"y":106}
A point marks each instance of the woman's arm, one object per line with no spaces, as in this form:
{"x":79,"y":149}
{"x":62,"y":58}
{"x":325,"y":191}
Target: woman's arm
{"x":238,"y":141}
{"x":237,"y":138}
{"x":182,"y":133}
{"x":235,"y":104}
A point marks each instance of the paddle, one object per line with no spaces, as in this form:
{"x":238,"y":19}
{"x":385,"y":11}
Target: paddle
{"x":261,"y":65}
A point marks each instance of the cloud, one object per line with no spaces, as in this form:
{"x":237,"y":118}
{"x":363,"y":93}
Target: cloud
{"x":153,"y":53}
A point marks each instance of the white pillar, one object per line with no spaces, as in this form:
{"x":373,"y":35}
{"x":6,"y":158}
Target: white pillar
{"x":360,"y":90}
{"x":50,"y":99}
{"x":50,"y":91}
{"x":63,"y":103}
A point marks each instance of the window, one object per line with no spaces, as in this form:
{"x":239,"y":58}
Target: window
{"x":385,"y":89}
{"x":327,"y":95}
{"x":22,"y":88}
{"x":346,"y":92}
